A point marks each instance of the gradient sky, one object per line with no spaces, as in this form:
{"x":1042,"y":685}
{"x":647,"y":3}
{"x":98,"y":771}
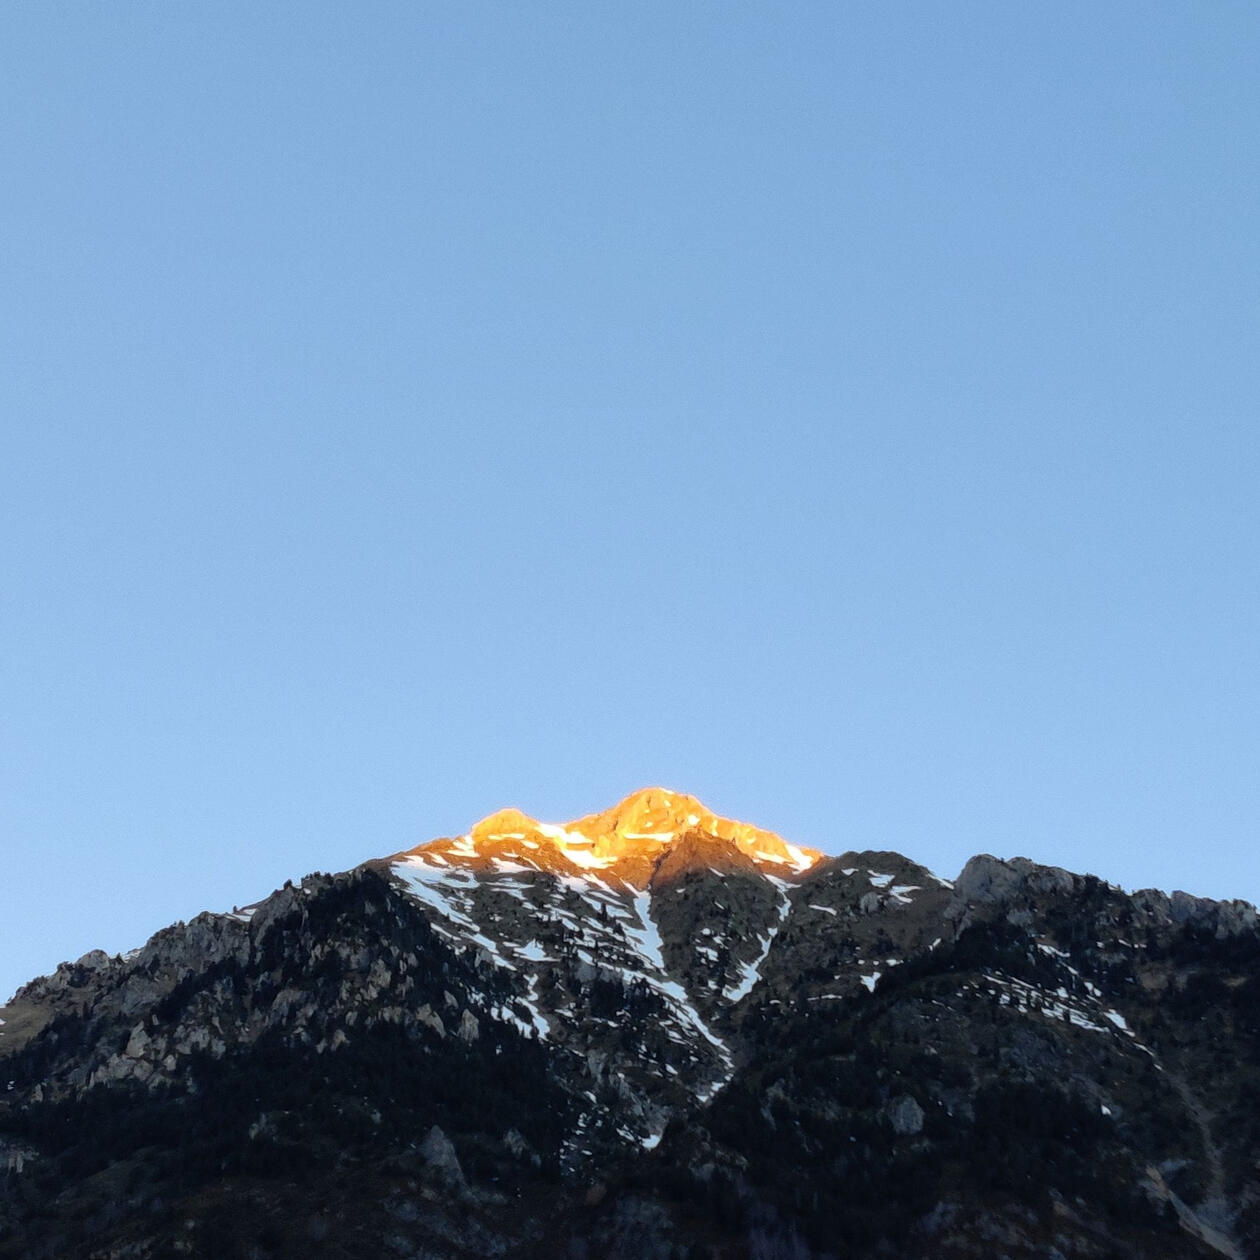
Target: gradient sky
{"x":845,"y":413}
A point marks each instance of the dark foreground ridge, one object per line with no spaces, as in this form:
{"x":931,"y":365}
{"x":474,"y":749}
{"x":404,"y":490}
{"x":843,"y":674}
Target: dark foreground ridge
{"x":650,"y":1033}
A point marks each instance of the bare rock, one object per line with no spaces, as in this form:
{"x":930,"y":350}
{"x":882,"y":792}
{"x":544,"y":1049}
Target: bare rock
{"x":438,"y":1152}
{"x":137,"y":1043}
{"x":427,"y":1016}
{"x":905,"y":1115}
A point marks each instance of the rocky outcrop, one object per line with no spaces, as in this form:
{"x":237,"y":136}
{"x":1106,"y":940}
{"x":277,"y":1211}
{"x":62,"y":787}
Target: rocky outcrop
{"x":439,"y":1153}
{"x":986,"y":879}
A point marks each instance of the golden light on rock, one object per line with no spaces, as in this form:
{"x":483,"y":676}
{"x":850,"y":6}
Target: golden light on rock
{"x":624,"y":842}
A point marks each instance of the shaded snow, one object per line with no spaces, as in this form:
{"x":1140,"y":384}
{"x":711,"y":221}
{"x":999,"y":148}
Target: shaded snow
{"x":1119,"y":1021}
{"x":645,"y":936}
{"x":445,"y":891}
{"x":505,"y":867}
{"x":530,"y":1003}
{"x":751,"y":971}
{"x":432,"y":888}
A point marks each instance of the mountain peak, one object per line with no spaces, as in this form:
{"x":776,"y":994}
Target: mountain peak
{"x":649,"y":811}
{"x":496,"y":1022}
{"x":624,"y":841}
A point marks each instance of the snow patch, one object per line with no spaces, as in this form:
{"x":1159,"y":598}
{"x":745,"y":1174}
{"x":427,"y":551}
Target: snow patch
{"x":541,"y":1027}
{"x":799,"y":858}
{"x":503,"y":867}
{"x":586,"y":859}
{"x":1119,"y":1021}
{"x":752,"y":970}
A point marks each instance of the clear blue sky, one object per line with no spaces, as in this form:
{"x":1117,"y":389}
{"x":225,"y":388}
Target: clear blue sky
{"x":845,"y":413}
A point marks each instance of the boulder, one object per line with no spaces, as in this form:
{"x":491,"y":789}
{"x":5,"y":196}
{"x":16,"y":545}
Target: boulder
{"x":438,"y":1152}
{"x":905,"y":1115}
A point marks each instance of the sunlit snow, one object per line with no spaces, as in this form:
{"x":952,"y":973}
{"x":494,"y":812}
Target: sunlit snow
{"x":800,"y":859}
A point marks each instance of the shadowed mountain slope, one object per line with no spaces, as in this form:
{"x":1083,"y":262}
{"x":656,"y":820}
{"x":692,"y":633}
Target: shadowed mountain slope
{"x":649,"y":1032}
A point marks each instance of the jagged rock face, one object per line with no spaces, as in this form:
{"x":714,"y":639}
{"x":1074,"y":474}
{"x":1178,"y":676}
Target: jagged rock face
{"x":649,"y":1031}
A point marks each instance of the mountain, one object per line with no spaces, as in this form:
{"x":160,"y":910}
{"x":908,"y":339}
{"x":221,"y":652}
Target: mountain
{"x":651,"y":1032}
